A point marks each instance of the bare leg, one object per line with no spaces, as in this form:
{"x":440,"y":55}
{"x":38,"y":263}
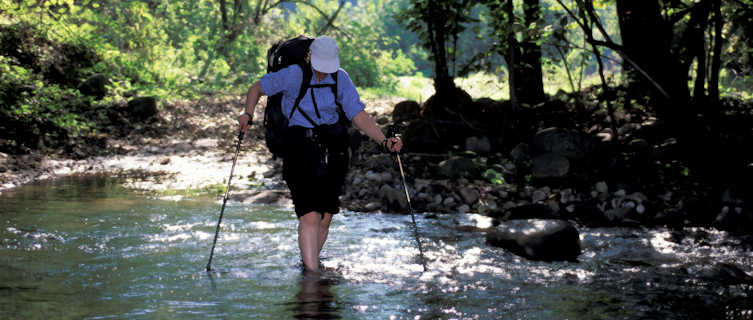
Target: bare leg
{"x":324,"y":230}
{"x":308,"y":239}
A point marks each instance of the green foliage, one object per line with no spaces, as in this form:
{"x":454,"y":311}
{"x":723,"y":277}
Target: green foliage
{"x":493,"y":176}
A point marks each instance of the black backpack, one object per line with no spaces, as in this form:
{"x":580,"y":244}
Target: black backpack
{"x":281,"y":55}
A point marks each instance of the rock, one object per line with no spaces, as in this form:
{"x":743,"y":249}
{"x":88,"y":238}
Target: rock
{"x":521,"y":153}
{"x":372,"y":206}
{"x":142,"y":108}
{"x":601,"y":187}
{"x":539,"y":195}
{"x":270,"y":197}
{"x":405,"y":111}
{"x":456,"y":167}
{"x":618,"y":214}
{"x":164,"y":161}
{"x":529,"y":211}
{"x":469,"y":195}
{"x":638,"y":145}
{"x":205,"y":143}
{"x":478,"y":145}
{"x":727,"y":274}
{"x":550,"y":165}
{"x":420,"y":136}
{"x":95,"y":86}
{"x":182,"y":147}
{"x":373,"y":176}
{"x":393,"y":196}
{"x":562,"y":142}
{"x":464,"y":208}
{"x":545,"y":240}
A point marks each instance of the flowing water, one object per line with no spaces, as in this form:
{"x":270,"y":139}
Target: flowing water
{"x":86,"y":248}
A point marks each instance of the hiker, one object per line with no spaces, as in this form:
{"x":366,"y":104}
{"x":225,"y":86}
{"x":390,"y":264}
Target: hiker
{"x":316,"y":158}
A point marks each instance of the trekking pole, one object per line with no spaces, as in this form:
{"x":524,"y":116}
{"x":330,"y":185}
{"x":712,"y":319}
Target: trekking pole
{"x":224,"y":201}
{"x":412,"y":216}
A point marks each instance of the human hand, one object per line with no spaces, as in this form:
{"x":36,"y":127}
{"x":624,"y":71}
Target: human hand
{"x":244,"y":121}
{"x":393,"y":144}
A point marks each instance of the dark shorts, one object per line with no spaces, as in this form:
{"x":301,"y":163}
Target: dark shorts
{"x":314,"y":167}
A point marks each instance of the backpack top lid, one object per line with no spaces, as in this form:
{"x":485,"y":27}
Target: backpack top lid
{"x":288,"y":52}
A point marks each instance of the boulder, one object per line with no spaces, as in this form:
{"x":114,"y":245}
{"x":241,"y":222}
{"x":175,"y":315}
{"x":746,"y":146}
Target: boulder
{"x":562,"y":142}
{"x":406,"y":111}
{"x":480,"y":145}
{"x":535,"y":239}
{"x":550,"y":165}
{"x":142,"y":108}
{"x":457,"y":167}
{"x":95,"y":86}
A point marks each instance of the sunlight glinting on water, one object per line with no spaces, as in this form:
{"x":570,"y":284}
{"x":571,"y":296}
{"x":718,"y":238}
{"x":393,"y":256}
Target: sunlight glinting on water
{"x":146,"y":259}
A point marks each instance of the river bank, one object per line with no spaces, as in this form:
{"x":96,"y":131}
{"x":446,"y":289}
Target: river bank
{"x":186,"y":150}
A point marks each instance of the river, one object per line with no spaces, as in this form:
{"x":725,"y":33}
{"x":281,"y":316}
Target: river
{"x":86,"y":248}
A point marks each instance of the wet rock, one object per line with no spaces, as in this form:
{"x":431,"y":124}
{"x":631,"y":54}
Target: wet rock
{"x":456,"y":167}
{"x":165,"y":161}
{"x":464,"y":208}
{"x":550,"y":165}
{"x":478,"y":145}
{"x":535,"y":239}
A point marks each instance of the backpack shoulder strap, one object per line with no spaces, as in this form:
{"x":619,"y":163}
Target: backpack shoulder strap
{"x":334,"y":91}
{"x":305,"y":81}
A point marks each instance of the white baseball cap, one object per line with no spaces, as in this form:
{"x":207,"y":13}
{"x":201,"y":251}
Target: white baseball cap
{"x":324,"y":55}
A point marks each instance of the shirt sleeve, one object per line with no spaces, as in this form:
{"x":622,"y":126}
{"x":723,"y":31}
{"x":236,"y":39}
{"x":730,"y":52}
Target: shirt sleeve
{"x":348,"y":95}
{"x":286,"y":81}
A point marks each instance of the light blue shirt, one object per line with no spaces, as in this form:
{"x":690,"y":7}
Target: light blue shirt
{"x":288,"y":81}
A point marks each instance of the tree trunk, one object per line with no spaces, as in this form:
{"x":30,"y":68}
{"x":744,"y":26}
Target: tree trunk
{"x":512,"y":53}
{"x":646,"y":39}
{"x":693,"y":46}
{"x":530,"y":76}
{"x":716,"y":60}
{"x":443,"y":82}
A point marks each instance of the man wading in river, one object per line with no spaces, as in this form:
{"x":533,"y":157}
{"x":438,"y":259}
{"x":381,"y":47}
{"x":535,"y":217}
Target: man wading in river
{"x":315,"y":159}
